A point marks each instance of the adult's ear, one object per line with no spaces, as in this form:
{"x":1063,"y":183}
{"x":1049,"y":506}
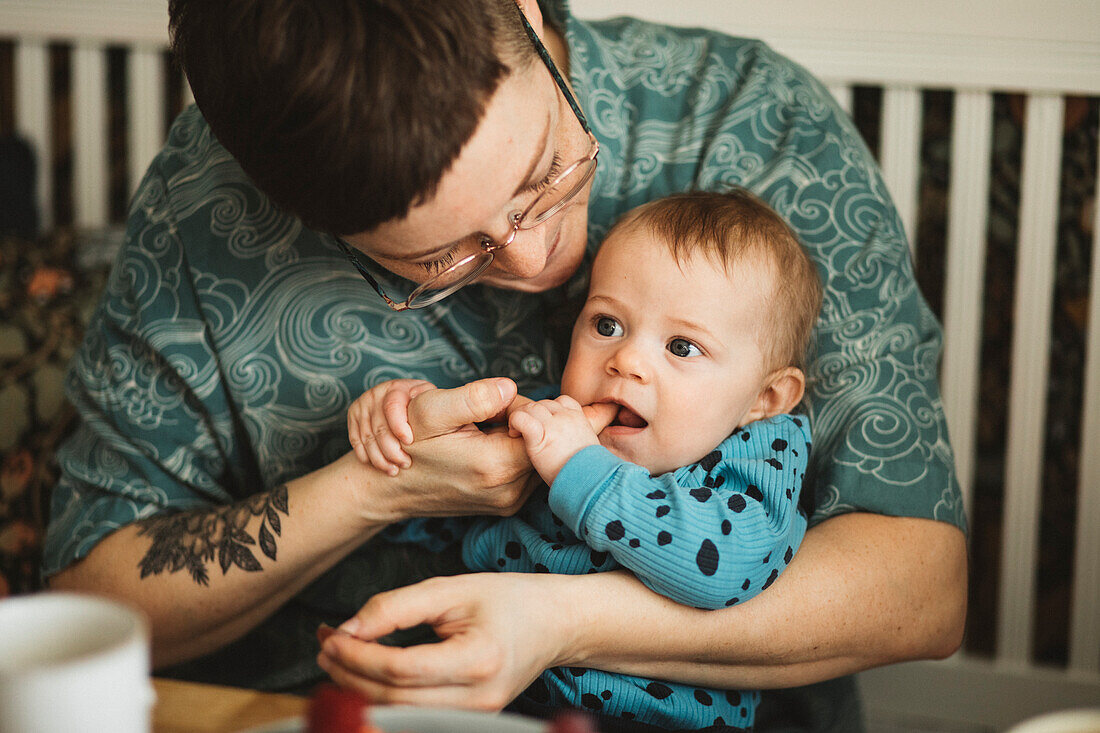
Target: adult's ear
{"x":531,"y":9}
{"x":782,"y":391}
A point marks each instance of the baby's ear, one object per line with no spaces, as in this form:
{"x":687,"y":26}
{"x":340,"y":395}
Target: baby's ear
{"x":782,"y":391}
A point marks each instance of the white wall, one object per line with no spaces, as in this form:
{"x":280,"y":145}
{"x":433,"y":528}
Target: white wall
{"x":122,"y":21}
{"x":1052,"y":44}
{"x":1052,"y":20}
{"x":1073,"y":21}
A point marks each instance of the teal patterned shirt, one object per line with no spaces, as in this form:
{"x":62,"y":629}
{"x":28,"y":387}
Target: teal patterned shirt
{"x":231,"y":339}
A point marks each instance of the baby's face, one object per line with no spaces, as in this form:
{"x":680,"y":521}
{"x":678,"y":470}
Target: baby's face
{"x":674,"y":344}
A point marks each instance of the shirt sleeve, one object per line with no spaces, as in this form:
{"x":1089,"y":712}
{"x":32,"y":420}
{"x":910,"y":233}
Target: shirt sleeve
{"x":681,"y":108}
{"x":710,"y":535}
{"x":156,"y":429}
{"x":872,"y":378}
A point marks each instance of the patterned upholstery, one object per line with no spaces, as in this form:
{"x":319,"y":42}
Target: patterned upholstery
{"x":45,"y":302}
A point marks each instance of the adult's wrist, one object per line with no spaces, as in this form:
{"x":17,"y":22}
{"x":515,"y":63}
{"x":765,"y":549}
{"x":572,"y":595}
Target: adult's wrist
{"x":366,"y":496}
{"x":574,"y":607}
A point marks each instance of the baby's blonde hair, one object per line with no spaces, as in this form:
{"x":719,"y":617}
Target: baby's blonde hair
{"x":728,"y":226}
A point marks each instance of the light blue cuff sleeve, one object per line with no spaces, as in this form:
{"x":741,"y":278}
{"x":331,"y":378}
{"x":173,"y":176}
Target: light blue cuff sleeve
{"x":580,"y":482}
{"x":711,"y":534}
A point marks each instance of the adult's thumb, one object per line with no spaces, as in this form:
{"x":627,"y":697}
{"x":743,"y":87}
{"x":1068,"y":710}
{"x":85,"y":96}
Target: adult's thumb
{"x":441,"y":411}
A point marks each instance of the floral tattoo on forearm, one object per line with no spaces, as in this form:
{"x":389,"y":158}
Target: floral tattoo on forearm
{"x":190,"y":540}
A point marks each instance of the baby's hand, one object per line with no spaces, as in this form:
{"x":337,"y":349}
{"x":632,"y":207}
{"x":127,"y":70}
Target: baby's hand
{"x":378,"y":423}
{"x":553,"y":431}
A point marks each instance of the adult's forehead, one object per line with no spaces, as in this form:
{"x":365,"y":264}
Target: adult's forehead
{"x":476,"y":189}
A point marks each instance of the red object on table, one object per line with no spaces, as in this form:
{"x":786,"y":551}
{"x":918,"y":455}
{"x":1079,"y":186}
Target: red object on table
{"x":334,"y":709}
{"x":572,"y":721}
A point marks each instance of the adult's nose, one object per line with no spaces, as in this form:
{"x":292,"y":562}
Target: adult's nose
{"x":525,"y":257}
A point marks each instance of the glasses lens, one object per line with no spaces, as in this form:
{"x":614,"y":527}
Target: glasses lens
{"x":458,"y":275}
{"x":553,"y":200}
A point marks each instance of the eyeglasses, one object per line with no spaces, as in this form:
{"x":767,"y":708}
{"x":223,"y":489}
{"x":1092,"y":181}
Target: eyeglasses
{"x":550,"y":202}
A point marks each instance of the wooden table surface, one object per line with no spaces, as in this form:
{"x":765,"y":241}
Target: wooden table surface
{"x":188,"y":707}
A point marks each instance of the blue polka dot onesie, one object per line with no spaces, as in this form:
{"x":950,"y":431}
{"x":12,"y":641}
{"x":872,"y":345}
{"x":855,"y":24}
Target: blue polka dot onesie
{"x":708,"y":535}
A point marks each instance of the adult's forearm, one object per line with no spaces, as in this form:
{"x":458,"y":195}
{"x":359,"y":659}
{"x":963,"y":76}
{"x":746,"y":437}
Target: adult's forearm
{"x":206,"y":577}
{"x":863,"y":590}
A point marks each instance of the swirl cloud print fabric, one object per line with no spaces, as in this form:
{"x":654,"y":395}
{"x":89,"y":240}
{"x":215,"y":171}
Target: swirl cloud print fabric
{"x":231,"y":339}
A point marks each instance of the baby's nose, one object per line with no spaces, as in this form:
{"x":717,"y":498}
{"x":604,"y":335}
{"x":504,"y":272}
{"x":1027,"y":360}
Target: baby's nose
{"x":628,"y":362}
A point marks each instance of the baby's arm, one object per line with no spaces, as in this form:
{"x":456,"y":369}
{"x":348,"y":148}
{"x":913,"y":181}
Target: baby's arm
{"x":553,"y":431}
{"x":378,"y":423}
{"x":708,"y":536}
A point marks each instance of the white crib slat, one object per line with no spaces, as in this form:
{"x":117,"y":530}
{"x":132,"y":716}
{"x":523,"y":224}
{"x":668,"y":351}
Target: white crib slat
{"x":32,"y":118}
{"x":1084,"y":636}
{"x":1027,"y":385}
{"x":900,"y":152}
{"x":91,"y":175}
{"x":967,"y":215}
{"x":145,"y":70}
{"x":842,"y":93}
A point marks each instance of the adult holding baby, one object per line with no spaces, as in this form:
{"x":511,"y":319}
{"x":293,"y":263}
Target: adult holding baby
{"x":210,"y":480}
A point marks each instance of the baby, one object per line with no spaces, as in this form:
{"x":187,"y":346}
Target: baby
{"x":671,"y":450}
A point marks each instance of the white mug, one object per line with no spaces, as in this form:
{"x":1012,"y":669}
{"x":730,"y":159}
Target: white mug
{"x":73,"y":662}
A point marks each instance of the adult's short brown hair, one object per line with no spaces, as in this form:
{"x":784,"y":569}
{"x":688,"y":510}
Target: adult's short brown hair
{"x":346,"y":112}
{"x":729,"y":226}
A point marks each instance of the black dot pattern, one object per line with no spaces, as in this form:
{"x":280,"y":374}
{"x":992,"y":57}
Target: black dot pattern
{"x":707,"y":558}
{"x":701,"y":494}
{"x":771,"y":578}
{"x":591,"y":702}
{"x":655,"y":702}
{"x":686,"y":534}
{"x":658,"y":690}
{"x":710,"y":460}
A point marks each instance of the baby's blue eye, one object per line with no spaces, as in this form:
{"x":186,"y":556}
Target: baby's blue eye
{"x":683,"y":347}
{"x":606,"y":326}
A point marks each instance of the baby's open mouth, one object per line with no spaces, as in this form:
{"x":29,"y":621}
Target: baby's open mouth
{"x":629,"y":419}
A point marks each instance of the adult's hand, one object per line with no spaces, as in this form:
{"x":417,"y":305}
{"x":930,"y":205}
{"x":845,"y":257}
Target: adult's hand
{"x":862,"y":591}
{"x":325,"y":515}
{"x":486,"y":657}
{"x":457,"y":469}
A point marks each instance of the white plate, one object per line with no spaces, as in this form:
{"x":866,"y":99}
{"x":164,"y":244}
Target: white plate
{"x":400,"y":719}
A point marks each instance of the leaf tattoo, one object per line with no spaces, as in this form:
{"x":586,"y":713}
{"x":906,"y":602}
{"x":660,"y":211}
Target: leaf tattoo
{"x":191,"y":540}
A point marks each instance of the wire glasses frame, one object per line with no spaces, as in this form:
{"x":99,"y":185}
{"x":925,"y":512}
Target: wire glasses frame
{"x":549,"y":203}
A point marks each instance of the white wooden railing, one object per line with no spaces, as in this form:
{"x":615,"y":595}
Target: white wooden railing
{"x":976,"y":49}
{"x":90,"y":27}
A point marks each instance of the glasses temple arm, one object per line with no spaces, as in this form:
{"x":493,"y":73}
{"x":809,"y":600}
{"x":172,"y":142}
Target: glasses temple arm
{"x":545,"y":56}
{"x":367,"y":276}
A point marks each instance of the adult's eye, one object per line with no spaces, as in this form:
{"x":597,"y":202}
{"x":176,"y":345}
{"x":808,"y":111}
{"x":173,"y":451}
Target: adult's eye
{"x":683,"y":347}
{"x":607,"y":326}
